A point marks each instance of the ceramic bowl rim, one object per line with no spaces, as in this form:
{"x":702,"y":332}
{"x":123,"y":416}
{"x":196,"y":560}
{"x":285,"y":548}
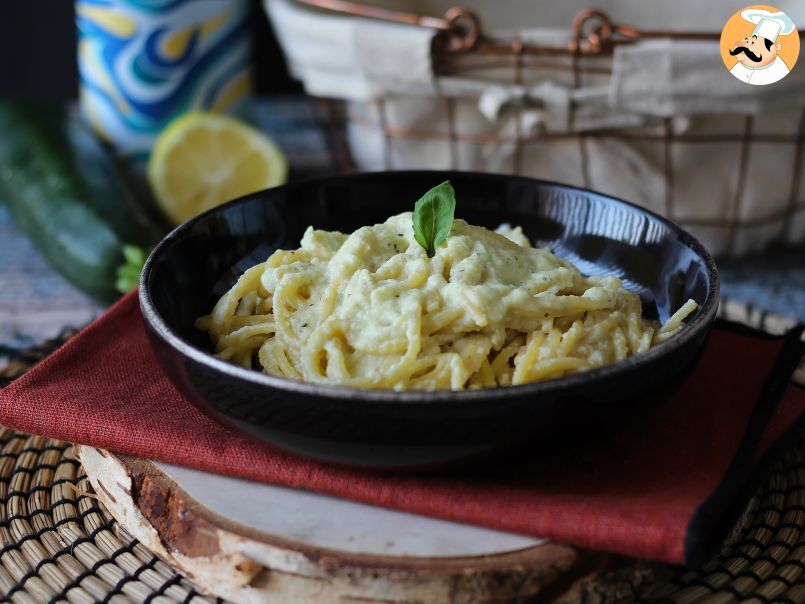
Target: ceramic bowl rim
{"x":160,"y":327}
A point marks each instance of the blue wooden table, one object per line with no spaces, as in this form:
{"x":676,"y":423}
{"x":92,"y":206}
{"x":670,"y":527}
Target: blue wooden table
{"x":36,"y":303}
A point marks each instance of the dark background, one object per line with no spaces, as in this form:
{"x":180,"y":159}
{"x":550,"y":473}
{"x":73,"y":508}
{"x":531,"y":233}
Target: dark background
{"x":38,"y":51}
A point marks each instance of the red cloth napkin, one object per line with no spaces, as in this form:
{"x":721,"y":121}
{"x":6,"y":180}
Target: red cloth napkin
{"x":659,"y":488}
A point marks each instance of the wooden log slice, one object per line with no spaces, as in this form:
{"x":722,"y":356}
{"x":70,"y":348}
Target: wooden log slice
{"x":252,"y":542}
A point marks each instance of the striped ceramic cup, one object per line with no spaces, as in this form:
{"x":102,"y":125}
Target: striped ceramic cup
{"x":144,"y":62}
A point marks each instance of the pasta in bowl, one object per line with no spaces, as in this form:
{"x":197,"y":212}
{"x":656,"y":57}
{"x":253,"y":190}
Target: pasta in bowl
{"x":372,"y":379}
{"x":372,"y":310}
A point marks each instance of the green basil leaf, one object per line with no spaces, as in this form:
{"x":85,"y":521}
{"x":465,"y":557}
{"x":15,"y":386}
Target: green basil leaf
{"x":433,"y":217}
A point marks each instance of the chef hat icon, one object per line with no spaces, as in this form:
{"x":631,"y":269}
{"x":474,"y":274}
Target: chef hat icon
{"x":769,"y":24}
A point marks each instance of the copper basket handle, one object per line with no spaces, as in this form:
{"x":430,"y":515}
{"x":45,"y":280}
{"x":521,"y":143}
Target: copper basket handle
{"x":460,"y":30}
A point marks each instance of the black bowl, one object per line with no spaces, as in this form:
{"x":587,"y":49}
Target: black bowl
{"x":197,"y":262}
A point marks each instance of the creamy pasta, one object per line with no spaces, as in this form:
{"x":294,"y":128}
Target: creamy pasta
{"x":372,"y":310}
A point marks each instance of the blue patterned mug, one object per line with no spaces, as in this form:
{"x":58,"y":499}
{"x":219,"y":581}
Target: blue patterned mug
{"x":144,"y":62}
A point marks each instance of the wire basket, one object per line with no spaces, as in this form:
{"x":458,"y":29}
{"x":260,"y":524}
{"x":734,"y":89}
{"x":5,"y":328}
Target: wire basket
{"x":649,"y":116}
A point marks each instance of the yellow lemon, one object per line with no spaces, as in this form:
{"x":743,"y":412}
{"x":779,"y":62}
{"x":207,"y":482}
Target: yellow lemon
{"x":202,"y":160}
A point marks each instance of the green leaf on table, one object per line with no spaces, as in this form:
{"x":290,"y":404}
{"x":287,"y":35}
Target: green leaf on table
{"x":433,"y":217}
{"x":134,"y":255}
{"x":128,"y":273}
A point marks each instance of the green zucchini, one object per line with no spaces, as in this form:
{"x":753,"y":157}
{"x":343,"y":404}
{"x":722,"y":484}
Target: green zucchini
{"x":62,"y":188}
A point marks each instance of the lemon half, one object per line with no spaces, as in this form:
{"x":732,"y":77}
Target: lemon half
{"x":202,"y":160}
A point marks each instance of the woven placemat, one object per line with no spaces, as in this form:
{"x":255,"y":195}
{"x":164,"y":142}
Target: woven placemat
{"x":59,"y":543}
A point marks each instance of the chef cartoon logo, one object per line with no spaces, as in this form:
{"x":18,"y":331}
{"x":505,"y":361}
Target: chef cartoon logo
{"x":760,"y":45}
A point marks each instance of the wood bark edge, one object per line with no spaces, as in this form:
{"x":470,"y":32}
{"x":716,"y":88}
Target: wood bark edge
{"x":232,"y":561}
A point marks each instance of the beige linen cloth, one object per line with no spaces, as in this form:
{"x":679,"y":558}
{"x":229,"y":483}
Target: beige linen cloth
{"x":721,"y":157}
